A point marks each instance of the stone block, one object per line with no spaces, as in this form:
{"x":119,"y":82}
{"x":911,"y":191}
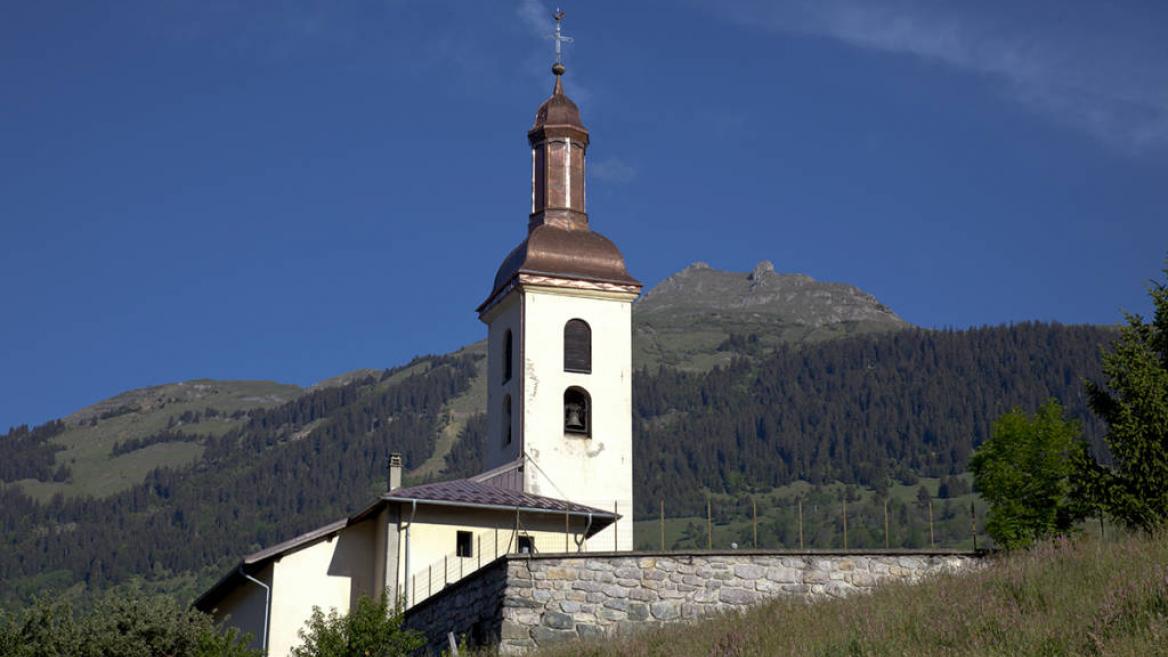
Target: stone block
{"x":644,"y":595}
{"x":546,"y":636}
{"x":737,"y":596}
{"x":784,"y":574}
{"x":541,"y":595}
{"x":598,"y":565}
{"x":569,"y":606}
{"x":691,"y":610}
{"x":561,"y":572}
{"x":665,"y":610}
{"x":614,"y":591}
{"x":655,"y":575}
{"x":611,"y":615}
{"x":516,"y":601}
{"x":638,"y":611}
{"x":617,"y":603}
{"x":558,"y":621}
{"x":628,"y":572}
{"x":521,"y":584}
{"x":749,"y":571}
{"x":587,"y":631}
{"x":628,"y":583}
{"x":513,"y":630}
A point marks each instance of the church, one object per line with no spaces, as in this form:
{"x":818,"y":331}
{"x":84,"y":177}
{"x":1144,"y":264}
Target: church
{"x":559,"y":475}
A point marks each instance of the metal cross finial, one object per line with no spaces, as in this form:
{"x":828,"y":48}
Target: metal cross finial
{"x":559,"y":38}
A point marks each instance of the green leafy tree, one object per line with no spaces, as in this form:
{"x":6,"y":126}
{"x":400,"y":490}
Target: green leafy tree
{"x":371,"y":629}
{"x":118,"y":625}
{"x":1134,"y":404}
{"x":1023,"y":471}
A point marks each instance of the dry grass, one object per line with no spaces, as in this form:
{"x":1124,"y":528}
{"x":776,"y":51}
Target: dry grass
{"x":1065,"y":598}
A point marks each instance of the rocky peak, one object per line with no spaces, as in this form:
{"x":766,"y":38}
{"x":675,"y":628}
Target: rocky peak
{"x":699,"y":290}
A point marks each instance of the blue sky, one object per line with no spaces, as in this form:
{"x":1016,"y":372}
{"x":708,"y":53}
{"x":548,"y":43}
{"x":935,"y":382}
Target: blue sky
{"x":292,"y":190}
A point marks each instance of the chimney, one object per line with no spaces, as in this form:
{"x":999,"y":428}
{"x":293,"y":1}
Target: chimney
{"x":395,"y":467}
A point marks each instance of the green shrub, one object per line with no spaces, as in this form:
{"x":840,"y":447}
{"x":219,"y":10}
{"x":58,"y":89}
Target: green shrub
{"x":121,"y":625}
{"x":371,"y":629}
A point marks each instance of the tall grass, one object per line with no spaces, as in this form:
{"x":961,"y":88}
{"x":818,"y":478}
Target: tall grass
{"x":1079,"y":597}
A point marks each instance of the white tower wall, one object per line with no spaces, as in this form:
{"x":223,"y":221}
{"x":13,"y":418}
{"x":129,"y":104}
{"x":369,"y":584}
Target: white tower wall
{"x":595,"y":470}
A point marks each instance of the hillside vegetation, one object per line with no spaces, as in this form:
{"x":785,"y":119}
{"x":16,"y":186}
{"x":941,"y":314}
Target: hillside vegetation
{"x":1062,"y":599}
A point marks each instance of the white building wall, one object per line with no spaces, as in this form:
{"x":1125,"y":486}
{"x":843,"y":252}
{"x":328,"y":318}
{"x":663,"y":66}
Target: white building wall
{"x":331,"y":574}
{"x":506,"y":316}
{"x":596,"y":470}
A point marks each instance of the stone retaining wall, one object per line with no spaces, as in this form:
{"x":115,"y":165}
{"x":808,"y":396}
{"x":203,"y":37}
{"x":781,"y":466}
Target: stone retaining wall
{"x":523,"y":602}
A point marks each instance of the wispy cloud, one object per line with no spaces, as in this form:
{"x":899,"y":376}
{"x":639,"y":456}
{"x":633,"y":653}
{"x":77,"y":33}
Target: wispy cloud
{"x":612,"y":170}
{"x":1100,"y":70}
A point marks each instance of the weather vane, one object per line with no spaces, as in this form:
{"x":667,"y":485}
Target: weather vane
{"x":560,"y":39}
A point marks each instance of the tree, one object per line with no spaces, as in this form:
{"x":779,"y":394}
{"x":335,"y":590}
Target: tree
{"x":1023,"y":471}
{"x":371,"y":629}
{"x":1134,"y":404}
{"x":124,"y":624}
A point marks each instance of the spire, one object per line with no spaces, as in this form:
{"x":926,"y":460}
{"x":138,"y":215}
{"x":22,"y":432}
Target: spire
{"x":558,"y":144}
{"x":560,"y":248}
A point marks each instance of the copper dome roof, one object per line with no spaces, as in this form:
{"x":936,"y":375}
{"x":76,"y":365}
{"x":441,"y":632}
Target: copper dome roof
{"x":550,"y":250}
{"x":558,"y":110}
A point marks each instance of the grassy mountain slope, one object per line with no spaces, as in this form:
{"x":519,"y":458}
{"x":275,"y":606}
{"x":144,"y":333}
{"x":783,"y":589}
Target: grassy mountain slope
{"x":1082,"y":598}
{"x":92,"y":432}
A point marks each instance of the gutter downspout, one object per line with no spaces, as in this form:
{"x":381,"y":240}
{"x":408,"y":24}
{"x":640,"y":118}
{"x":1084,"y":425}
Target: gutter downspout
{"x":267,"y":606}
{"x":584,"y":535}
{"x":406,"y":574}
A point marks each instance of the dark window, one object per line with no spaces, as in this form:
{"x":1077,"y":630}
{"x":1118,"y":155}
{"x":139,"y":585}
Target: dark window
{"x":577,"y":411}
{"x":506,"y":420}
{"x":526,"y":545}
{"x":464,"y":545}
{"x":508,"y":356}
{"x":577,"y":346}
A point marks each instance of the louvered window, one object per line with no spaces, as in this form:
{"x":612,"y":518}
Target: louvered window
{"x":508,"y":356}
{"x":577,"y":346}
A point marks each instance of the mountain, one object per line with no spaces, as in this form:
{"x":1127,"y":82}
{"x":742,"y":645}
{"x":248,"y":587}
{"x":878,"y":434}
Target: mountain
{"x":686,"y":320}
{"x":780,"y":380}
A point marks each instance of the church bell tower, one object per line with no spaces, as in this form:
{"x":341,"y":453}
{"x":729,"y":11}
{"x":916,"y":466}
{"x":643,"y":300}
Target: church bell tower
{"x":559,"y":320}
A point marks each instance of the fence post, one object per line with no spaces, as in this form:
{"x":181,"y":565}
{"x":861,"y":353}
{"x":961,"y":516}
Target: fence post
{"x":885,"y":524}
{"x":973,"y":522}
{"x":429,"y":580}
{"x":414,"y":581}
{"x":445,"y":572}
{"x":932,"y":539}
{"x":566,"y":528}
{"x":662,"y":524}
{"x":709,"y":526}
{"x":801,"y":523}
{"x":754,"y":514}
{"x":845,"y":519}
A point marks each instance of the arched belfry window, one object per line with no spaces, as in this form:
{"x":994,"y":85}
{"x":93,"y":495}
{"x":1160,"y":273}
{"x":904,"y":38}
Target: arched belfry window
{"x":506,"y":428}
{"x":508,"y":355}
{"x":577,"y":411}
{"x":577,"y":346}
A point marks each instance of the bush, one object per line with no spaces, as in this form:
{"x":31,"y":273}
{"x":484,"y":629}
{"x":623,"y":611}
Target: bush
{"x":370,"y":630}
{"x":122,"y":625}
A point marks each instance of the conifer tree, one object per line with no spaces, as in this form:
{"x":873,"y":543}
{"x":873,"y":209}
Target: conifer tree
{"x":1133,"y":488}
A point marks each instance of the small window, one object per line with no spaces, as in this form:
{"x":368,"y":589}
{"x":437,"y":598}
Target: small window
{"x":508,"y":355}
{"x":577,"y":411}
{"x":526,"y":545}
{"x":506,"y":428}
{"x":464,"y":546}
{"x":577,"y":347}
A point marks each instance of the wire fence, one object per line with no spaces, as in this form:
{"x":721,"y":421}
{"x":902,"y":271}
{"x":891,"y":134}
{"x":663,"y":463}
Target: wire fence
{"x":815,"y":519}
{"x":478,"y":549}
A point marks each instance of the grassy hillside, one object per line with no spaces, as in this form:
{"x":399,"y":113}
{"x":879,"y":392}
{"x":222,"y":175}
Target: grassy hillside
{"x":1067,"y":598}
{"x":92,"y":432}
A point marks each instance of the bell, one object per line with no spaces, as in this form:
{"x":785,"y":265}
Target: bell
{"x":573,"y":420}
